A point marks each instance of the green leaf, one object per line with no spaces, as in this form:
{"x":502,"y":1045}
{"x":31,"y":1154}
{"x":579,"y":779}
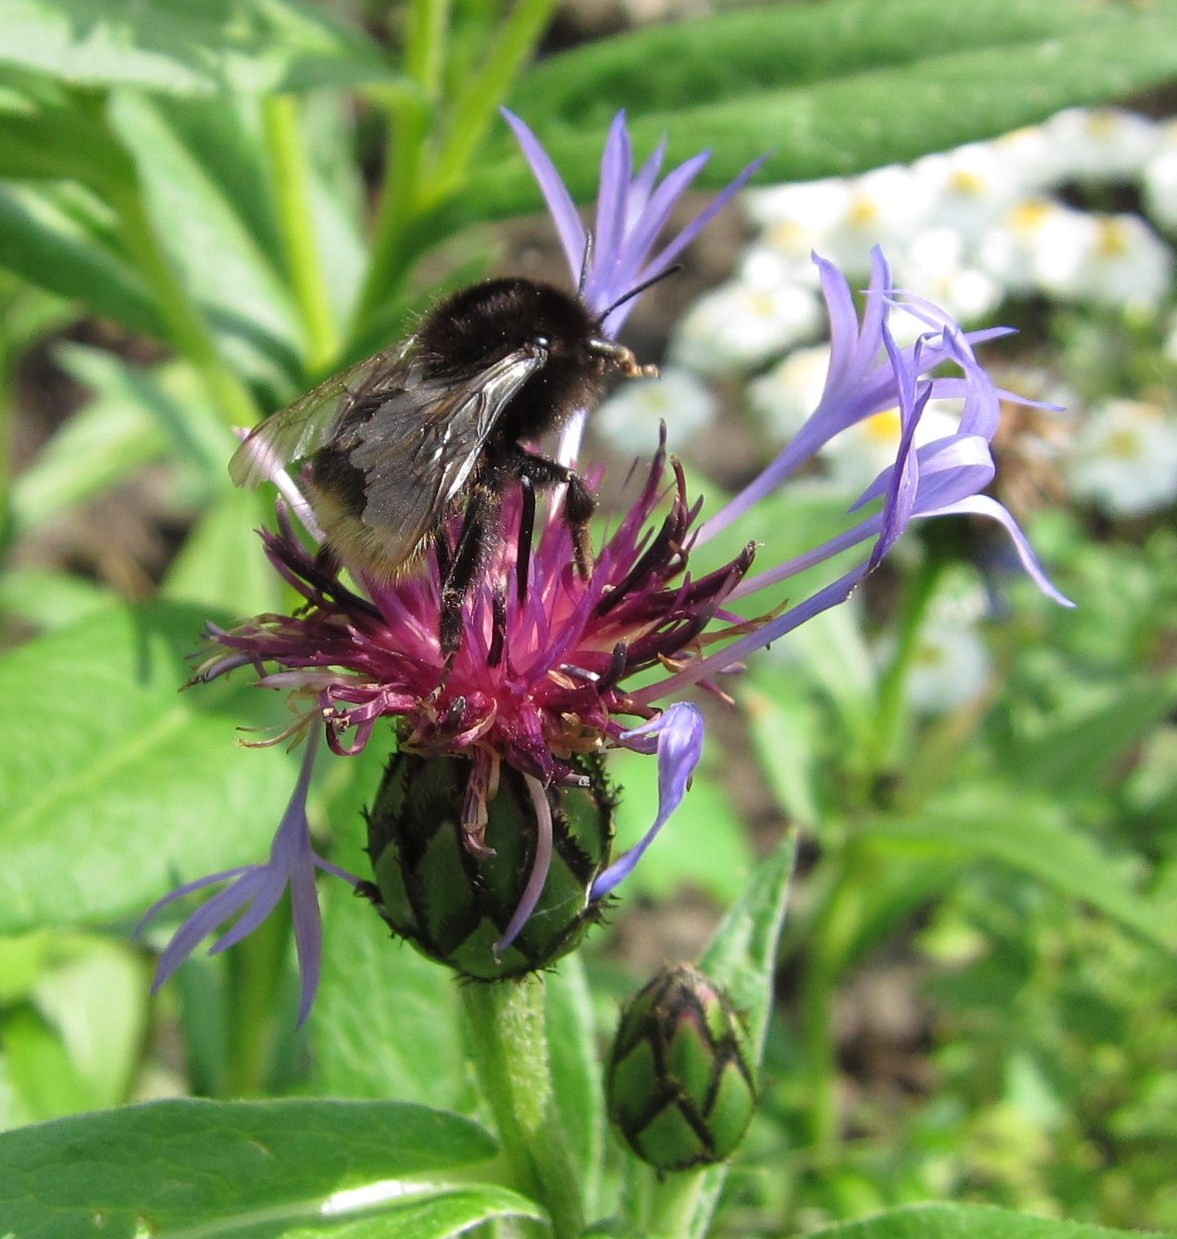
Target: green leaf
{"x":231,"y":1168}
{"x":22,"y":960}
{"x":890,"y":890}
{"x":220,"y":146}
{"x":45,"y":599}
{"x":964,"y":1222}
{"x":29,"y":315}
{"x":222,"y":564}
{"x":784,"y":727}
{"x":705,"y":846}
{"x":1075,"y":754}
{"x":44,"y":1081}
{"x":136,"y":415}
{"x":96,"y":998}
{"x":337,"y":199}
{"x":105,"y":441}
{"x":828,"y":89}
{"x":63,"y":143}
{"x":1030,"y":834}
{"x":73,"y":1042}
{"x":117,"y":785}
{"x":215,"y":231}
{"x":386,"y":1019}
{"x":444,"y":1211}
{"x":61,"y":237}
{"x":742,"y":955}
{"x":180,"y":47}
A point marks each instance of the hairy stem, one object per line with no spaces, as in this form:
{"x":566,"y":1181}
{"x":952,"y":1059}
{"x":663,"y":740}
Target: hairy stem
{"x":509,"y":1046}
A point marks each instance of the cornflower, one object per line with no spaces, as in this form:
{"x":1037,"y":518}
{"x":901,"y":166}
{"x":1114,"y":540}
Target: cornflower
{"x":543,"y":680}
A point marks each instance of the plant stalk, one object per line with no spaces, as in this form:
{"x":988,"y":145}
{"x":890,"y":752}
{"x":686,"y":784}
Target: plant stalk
{"x":255,"y":978}
{"x":508,"y":1043}
{"x":188,"y":333}
{"x":292,"y":186}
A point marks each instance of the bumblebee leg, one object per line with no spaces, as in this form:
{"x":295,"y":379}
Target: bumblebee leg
{"x":498,"y":628}
{"x":482,"y":513}
{"x":579,"y":505}
{"x":526,"y":533}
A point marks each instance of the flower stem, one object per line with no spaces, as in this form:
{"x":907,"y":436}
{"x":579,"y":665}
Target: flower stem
{"x":432,"y":138}
{"x":673,"y":1205}
{"x":473,"y":108}
{"x":509,"y":1047}
{"x":410,"y":119}
{"x":188,"y":333}
{"x":426,"y":43}
{"x":887,"y":733}
{"x":255,"y":978}
{"x":292,"y":184}
{"x":833,"y":934}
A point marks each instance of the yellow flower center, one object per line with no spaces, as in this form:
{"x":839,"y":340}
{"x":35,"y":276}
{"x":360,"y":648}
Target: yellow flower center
{"x":967,"y":184}
{"x":884,"y":427}
{"x":1113,"y":239}
{"x":1124,"y":445}
{"x":1030,"y":216}
{"x":863,"y":212}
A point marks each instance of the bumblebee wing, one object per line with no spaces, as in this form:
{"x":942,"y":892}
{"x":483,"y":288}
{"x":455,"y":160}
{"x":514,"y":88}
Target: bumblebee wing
{"x":300,"y":429}
{"x":420,"y":449}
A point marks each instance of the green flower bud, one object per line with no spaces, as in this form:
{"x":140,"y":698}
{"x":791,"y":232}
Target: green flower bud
{"x":680,"y":1084}
{"x":454,"y":899}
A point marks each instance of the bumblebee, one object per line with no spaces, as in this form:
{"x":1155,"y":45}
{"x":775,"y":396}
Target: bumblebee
{"x":397,"y":446}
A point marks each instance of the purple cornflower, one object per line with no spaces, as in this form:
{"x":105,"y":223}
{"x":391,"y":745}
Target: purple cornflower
{"x":255,"y":892}
{"x":543,"y":673}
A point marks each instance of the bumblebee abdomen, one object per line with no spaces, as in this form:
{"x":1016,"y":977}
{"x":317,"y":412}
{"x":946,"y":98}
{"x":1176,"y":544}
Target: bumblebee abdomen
{"x":338,"y":494}
{"x":331,"y":473}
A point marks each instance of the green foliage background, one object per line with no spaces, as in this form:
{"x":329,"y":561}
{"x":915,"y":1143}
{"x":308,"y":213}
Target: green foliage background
{"x":260,"y":191}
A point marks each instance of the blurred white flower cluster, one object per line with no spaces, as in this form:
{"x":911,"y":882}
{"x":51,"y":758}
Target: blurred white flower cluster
{"x":966,"y":228}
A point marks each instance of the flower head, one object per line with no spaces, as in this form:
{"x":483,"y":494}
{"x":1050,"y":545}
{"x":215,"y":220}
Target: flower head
{"x":254,"y":892}
{"x":544,"y":675}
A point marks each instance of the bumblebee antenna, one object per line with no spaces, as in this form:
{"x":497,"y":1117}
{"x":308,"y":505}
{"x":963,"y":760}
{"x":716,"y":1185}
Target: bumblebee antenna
{"x":586,"y":262}
{"x":637,"y":288}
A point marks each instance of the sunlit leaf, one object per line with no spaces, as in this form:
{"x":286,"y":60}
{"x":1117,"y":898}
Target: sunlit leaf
{"x":228,"y":1167}
{"x":183,"y":48}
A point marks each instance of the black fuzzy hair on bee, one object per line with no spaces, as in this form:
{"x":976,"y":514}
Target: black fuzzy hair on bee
{"x":397,"y":446}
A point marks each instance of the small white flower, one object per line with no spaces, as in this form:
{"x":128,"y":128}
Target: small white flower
{"x":765,"y":266}
{"x":1126,"y":264}
{"x":1159,"y":186}
{"x":786,"y":396}
{"x":842,"y":219}
{"x":1039,"y":246}
{"x":1031,"y":158}
{"x":736,"y":327}
{"x":969,"y":187}
{"x":1101,"y":144}
{"x":630,"y":418}
{"x":935,"y":264}
{"x":1113,"y":260}
{"x":1124,"y":458}
{"x":950,"y":667}
{"x":805,"y":203}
